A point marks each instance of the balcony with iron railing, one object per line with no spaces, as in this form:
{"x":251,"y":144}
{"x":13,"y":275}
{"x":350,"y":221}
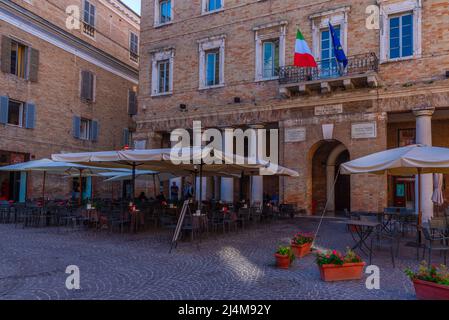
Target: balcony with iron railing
{"x":360,"y":72}
{"x":89,"y":29}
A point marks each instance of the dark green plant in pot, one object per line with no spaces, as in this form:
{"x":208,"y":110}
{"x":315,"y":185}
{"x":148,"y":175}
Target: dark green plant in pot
{"x":286,"y":251}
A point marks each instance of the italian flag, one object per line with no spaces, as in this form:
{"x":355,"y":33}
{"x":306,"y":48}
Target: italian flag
{"x":303,"y":55}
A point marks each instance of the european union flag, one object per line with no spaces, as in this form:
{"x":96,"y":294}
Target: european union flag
{"x":339,"y":53}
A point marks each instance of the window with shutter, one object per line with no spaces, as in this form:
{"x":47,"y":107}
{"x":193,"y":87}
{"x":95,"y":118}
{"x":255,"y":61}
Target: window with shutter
{"x":134,"y":47}
{"x":87,"y":86}
{"x":132,"y":103}
{"x":16,"y":58}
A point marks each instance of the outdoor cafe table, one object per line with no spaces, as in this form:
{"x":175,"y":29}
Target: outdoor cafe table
{"x":362,"y":231}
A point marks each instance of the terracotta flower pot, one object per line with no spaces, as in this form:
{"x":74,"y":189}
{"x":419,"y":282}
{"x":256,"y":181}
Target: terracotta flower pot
{"x":430,"y":291}
{"x":301,"y":250}
{"x":282,"y":262}
{"x":348,"y":271}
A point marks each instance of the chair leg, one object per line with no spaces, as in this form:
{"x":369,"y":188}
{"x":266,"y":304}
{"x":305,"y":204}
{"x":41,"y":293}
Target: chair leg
{"x":430,"y":257}
{"x":392,"y":256}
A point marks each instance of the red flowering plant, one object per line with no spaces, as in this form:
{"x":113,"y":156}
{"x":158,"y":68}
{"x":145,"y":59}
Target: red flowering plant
{"x":336,"y":258}
{"x":436,"y":274}
{"x":302,"y":238}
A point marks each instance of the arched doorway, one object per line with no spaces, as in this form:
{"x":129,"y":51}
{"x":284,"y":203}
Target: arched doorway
{"x":326,"y":161}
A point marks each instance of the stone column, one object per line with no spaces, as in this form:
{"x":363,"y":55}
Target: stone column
{"x":256,"y":189}
{"x":424,"y":136}
{"x":227,"y":184}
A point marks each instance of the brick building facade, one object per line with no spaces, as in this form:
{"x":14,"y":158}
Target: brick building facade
{"x":226,"y":63}
{"x":69,"y":75}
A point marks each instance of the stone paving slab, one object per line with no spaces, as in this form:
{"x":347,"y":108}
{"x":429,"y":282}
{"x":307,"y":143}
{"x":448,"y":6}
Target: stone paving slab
{"x":233,"y":266}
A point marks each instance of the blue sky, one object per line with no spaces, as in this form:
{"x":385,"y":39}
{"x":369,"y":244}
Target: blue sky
{"x":133,"y":4}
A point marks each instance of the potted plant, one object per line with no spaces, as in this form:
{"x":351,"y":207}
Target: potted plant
{"x":302,"y":244}
{"x":284,"y":257}
{"x":431,"y":283}
{"x":335,"y":266}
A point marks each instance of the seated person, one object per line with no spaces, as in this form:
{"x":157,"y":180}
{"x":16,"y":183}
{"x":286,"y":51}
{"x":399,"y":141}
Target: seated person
{"x":142,"y":197}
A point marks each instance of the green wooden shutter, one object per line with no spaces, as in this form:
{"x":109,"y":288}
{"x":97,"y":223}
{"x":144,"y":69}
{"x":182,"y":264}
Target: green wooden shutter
{"x":94,"y":131}
{"x":4,"y":107}
{"x":132,"y":103}
{"x":34,"y":65}
{"x":125,"y":141}
{"x":6,"y":55}
{"x":30,"y":115}
{"x":76,"y":127}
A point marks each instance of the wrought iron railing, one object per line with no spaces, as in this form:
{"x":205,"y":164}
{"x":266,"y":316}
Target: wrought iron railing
{"x":88,"y":29}
{"x":358,"y":64}
{"x":134,"y":56}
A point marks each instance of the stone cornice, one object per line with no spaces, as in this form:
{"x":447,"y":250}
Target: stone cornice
{"x":123,"y":10}
{"x":37,"y":26}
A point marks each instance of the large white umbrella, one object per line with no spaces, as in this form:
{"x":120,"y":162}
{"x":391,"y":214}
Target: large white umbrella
{"x":410,"y":160}
{"x":177,"y":161}
{"x":56,"y":167}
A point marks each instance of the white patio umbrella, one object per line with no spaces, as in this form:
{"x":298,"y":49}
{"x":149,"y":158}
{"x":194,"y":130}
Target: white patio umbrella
{"x":55,"y":167}
{"x":177,"y":161}
{"x":437,"y":196}
{"x":410,"y":160}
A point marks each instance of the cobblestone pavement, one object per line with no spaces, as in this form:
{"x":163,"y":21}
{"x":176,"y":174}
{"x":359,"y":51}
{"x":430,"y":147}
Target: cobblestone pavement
{"x":232,"y":266}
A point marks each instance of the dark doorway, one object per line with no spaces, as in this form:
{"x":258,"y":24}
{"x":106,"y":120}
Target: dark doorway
{"x":342,"y":187}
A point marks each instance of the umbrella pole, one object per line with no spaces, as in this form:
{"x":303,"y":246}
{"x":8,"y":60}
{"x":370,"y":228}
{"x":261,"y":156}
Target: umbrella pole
{"x":133,"y":193}
{"x":194,"y":186}
{"x":419,"y":207}
{"x":154,"y":186}
{"x":80,"y":200}
{"x":200,"y":201}
{"x":43,"y":188}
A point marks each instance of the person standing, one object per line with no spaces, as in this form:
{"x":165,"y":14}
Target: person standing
{"x":174,"y":192}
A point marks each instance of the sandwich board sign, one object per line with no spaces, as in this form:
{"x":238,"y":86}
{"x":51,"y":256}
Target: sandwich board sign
{"x":176,"y":235}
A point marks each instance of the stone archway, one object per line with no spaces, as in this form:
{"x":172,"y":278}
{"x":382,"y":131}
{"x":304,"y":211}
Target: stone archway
{"x":326,"y":160}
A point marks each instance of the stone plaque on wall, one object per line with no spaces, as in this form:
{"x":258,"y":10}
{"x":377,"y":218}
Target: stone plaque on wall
{"x":364,"y":130}
{"x":329,"y":110}
{"x":295,"y":134}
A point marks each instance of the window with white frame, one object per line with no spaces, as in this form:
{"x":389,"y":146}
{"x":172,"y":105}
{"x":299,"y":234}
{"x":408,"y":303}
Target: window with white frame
{"x":329,"y":66}
{"x":211,"y":5}
{"x":401,"y":36}
{"x":134,"y":47}
{"x":85,"y":129}
{"x":211,"y":66}
{"x":322,"y":46}
{"x":15,"y":113}
{"x":163,"y":76}
{"x":401,"y":30}
{"x":163,"y":12}
{"x":89,"y":17}
{"x":270,"y":50}
{"x":270,"y":58}
{"x":162,"y":72}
